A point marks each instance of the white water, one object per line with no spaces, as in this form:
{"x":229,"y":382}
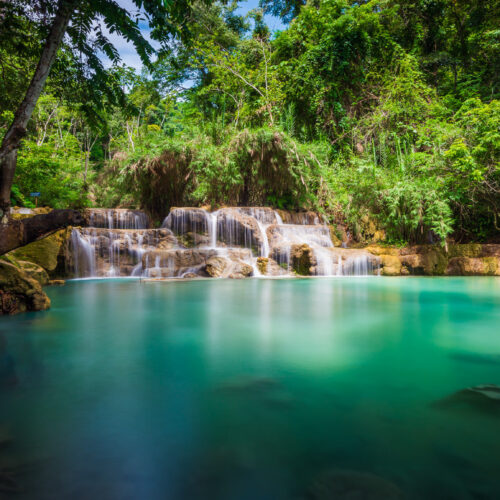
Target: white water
{"x":120,"y":244}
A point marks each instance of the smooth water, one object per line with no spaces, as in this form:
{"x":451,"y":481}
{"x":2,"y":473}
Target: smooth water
{"x":249,"y":389}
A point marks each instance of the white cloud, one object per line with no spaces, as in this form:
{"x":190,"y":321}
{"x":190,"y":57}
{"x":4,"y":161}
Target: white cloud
{"x":127,"y":51}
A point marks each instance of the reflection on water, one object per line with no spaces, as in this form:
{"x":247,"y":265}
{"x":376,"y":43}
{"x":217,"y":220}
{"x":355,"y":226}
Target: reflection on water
{"x":253,"y":389}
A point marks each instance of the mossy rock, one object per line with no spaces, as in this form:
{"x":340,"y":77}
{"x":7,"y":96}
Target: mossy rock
{"x":391,"y":265}
{"x":466,"y":250}
{"x":18,"y":291}
{"x":335,"y":236}
{"x":34,"y":271}
{"x":45,"y":252}
{"x":382,"y":250}
{"x":473,"y":266}
{"x":262,"y":263}
{"x":428,"y":260}
{"x":302,"y":259}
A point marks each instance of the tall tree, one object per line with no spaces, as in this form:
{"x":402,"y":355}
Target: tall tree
{"x":83,"y":23}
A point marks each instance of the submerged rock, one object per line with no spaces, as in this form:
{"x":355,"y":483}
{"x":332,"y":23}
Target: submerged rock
{"x":485,"y":398}
{"x":339,"y":484}
{"x":19,"y":292}
{"x":484,"y":359}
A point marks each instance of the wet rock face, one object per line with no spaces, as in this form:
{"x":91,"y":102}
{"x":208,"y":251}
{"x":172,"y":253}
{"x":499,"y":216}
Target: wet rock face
{"x":299,"y":218}
{"x":116,"y":218}
{"x":19,"y":292}
{"x":473,"y":266}
{"x":187,"y":220}
{"x":353,"y":485}
{"x":113,"y":252}
{"x":237,"y":229}
{"x":432,"y":260}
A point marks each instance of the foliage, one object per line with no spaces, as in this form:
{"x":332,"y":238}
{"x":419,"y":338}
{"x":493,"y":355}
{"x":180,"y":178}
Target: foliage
{"x":376,"y":113}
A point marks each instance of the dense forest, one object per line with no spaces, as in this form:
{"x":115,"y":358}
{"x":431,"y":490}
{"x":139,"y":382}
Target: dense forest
{"x":384,"y":114}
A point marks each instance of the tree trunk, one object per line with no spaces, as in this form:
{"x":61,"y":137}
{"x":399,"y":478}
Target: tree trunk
{"x":7,"y":169}
{"x":17,"y":130}
{"x":17,"y":233}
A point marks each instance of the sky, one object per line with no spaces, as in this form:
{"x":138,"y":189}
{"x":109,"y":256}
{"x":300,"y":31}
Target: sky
{"x":127,"y":51}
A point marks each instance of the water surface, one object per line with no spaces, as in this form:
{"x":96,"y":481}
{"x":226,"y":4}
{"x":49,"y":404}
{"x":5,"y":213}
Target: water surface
{"x":251,"y":389}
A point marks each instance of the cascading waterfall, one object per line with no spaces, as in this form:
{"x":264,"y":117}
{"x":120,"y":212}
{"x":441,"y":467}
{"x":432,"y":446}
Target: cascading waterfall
{"x":119,"y":243}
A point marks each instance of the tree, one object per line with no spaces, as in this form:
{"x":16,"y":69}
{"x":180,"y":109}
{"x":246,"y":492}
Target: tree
{"x":84,"y":22}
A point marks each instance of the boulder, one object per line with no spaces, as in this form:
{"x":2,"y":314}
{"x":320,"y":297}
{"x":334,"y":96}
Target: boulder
{"x":222,"y":267}
{"x":19,"y":292}
{"x":218,"y":267}
{"x":269,"y":267}
{"x":46,"y":252}
{"x":391,"y":265}
{"x":241,"y":270}
{"x":34,"y":271}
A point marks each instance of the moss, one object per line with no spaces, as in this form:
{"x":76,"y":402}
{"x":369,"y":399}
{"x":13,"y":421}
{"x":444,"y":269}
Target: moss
{"x":336,"y":236}
{"x":465,"y":250}
{"x":262,"y":263}
{"x":490,"y":265}
{"x":19,"y":292}
{"x":44,"y":252}
{"x":302,"y":257}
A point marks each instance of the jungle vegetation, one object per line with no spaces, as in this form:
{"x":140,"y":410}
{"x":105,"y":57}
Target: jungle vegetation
{"x":379,"y":113}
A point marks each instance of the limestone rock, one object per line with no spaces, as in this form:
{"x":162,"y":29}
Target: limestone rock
{"x":299,"y":217}
{"x":241,"y":270}
{"x":45,"y":252}
{"x":302,"y":259}
{"x":426,"y":260}
{"x":473,"y":266}
{"x":34,"y":271}
{"x":116,"y":218}
{"x":391,"y":265}
{"x":19,"y":292}
{"x":217,"y":267}
{"x":187,"y":220}
{"x":337,"y":242}
{"x":237,"y":229}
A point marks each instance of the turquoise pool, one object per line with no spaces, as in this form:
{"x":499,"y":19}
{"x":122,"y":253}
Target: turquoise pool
{"x":252,"y":389}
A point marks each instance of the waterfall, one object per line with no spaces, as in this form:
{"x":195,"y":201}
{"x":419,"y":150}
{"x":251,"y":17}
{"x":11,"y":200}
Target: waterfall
{"x":83,"y":255}
{"x":118,"y":218}
{"x":359,"y":265}
{"x":212,"y":229}
{"x":119,"y":243}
